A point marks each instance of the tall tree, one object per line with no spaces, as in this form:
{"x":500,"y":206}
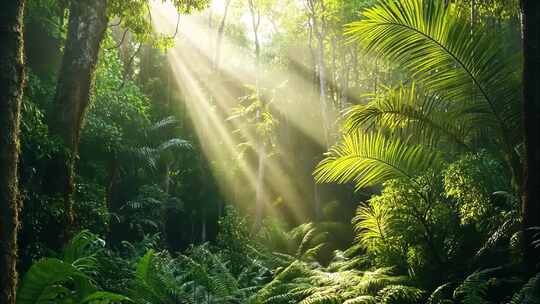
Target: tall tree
{"x":316,"y":11}
{"x":86,"y":29}
{"x":220,"y":33}
{"x":317,"y":22}
{"x":531,"y":96}
{"x":11,"y":90}
{"x":255,"y":13}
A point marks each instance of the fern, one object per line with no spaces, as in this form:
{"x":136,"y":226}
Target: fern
{"x":50,"y":279}
{"x":473,"y":289}
{"x":362,"y":300}
{"x":441,"y":294}
{"x":529,"y":293}
{"x":307,"y":283}
{"x":81,"y":251}
{"x":372,"y":224}
{"x":399,"y":294}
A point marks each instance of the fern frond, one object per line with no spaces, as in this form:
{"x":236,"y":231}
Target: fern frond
{"x":529,"y":293}
{"x":399,"y":294}
{"x":372,"y":223}
{"x":371,"y":159}
{"x":473,"y":289}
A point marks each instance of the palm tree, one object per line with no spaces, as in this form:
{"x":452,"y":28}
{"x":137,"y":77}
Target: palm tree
{"x":407,"y":110}
{"x":369,"y":159}
{"x":469,"y":91}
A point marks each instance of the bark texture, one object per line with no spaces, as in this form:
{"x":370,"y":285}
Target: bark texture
{"x":11,"y":87}
{"x":86,"y":28}
{"x":531,"y":97}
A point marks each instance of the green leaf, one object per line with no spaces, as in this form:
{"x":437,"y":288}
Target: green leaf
{"x":371,"y":159}
{"x":439,"y":49}
{"x":103,"y":297}
{"x":43,"y":281}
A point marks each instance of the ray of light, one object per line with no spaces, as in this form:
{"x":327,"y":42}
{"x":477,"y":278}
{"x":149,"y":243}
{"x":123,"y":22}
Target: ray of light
{"x":209,"y":100}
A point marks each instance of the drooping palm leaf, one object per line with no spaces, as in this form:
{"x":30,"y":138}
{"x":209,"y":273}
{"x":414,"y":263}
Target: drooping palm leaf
{"x":50,"y":279}
{"x":440,"y":50}
{"x":408,"y":110}
{"x":43,"y":282}
{"x":371,"y":159}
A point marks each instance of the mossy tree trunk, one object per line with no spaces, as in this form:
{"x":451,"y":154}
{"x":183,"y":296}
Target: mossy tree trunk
{"x":11,"y":87}
{"x":86,"y":29}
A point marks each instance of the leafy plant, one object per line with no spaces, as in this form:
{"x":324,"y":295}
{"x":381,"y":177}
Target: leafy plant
{"x":67,"y":280}
{"x":462,"y":66}
{"x":369,"y":159}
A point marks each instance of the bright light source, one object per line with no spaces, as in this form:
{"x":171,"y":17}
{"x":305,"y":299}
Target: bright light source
{"x":218,"y":6}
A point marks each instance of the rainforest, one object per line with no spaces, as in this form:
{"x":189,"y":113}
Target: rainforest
{"x":269,"y":151}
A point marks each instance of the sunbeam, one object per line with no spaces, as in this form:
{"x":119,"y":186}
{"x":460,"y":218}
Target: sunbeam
{"x":210,"y":101}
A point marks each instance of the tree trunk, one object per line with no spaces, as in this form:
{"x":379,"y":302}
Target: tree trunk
{"x":86,"y":28}
{"x":221,"y":32}
{"x":344,"y":83}
{"x":317,"y":28}
{"x":322,"y":88}
{"x":261,"y":146}
{"x":531,"y":110}
{"x":11,"y":88}
{"x":203,"y":226}
{"x":356,"y":69}
{"x":334,"y":84}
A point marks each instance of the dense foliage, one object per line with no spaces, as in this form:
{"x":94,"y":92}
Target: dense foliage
{"x":276,"y":151}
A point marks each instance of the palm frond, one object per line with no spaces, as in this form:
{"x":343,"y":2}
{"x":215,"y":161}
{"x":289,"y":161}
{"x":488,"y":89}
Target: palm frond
{"x":371,"y":159}
{"x":43,"y":282}
{"x":407,"y":110}
{"x":437,"y":46}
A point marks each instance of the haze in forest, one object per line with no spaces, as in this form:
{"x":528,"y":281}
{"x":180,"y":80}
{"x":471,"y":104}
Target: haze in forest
{"x":269,"y":151}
